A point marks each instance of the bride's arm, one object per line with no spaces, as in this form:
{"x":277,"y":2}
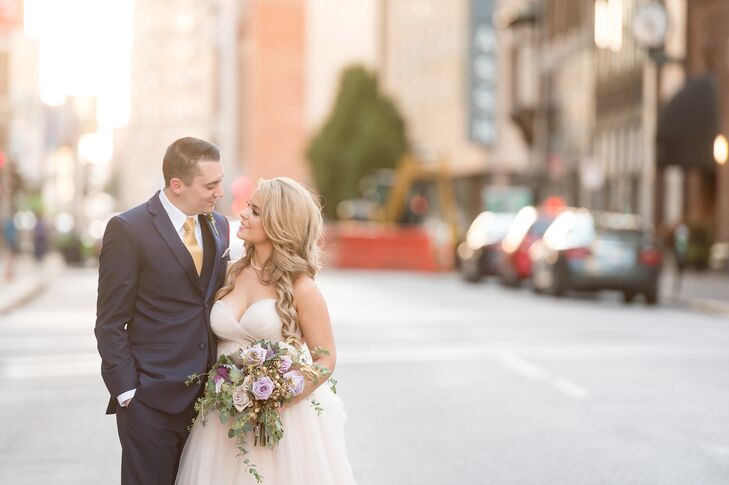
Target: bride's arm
{"x":316,"y":328}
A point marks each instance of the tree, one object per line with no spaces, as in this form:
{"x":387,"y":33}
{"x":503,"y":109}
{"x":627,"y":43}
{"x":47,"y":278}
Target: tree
{"x":363,"y":133}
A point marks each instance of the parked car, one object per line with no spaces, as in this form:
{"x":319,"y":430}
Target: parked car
{"x":479,"y":255}
{"x":529,"y":226}
{"x":594,"y":251}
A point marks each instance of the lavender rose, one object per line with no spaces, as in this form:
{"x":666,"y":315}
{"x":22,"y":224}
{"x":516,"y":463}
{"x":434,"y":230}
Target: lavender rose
{"x":285,"y":364}
{"x":241,"y":399}
{"x":262,"y":388}
{"x":255,"y":355}
{"x":295,"y":381}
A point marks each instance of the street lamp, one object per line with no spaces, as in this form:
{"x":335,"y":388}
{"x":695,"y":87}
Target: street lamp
{"x":721,"y":149}
{"x":649,"y":27}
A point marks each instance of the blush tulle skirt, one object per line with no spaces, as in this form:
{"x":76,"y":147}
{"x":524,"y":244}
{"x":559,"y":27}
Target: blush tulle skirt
{"x":311,"y":452}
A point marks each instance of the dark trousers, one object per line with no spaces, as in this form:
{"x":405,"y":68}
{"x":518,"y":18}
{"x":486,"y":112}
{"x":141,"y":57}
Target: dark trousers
{"x":152,"y":443}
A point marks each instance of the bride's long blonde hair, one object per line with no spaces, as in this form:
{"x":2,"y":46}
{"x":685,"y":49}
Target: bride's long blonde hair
{"x":291,"y":218}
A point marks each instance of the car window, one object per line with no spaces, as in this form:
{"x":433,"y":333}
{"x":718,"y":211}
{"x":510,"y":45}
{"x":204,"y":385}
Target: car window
{"x":540,"y":226}
{"x":634,"y":238}
{"x":571,"y":229}
{"x":499,"y":226}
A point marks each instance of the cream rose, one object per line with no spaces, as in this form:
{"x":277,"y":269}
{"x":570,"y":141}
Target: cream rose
{"x":241,"y":399}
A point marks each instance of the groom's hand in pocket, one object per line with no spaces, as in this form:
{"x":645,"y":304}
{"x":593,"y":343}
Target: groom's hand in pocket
{"x":128,"y":402}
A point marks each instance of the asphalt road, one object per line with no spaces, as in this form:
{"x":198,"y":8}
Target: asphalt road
{"x":444,"y":383}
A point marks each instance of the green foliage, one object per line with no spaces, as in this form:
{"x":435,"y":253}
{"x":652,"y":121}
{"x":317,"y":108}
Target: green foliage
{"x":364,"y":133}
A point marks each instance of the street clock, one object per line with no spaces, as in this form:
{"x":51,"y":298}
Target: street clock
{"x":650,"y":25}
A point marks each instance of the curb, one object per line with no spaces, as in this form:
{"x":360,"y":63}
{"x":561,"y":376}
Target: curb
{"x":701,"y":305}
{"x":22,"y":292}
{"x":705,"y":305}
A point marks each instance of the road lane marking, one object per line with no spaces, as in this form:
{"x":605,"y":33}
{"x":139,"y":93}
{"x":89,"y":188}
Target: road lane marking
{"x":527,"y":369}
{"x":521,"y":366}
{"x":45,"y":343}
{"x":398,"y":352}
{"x":44,"y":366}
{"x":87,"y":362}
{"x":571,"y":389}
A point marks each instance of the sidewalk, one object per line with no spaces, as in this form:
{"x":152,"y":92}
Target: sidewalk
{"x":706,"y":292}
{"x":28,"y":281}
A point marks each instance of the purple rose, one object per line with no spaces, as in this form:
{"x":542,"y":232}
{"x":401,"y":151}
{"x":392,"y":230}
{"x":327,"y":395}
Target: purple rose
{"x":295,"y":381}
{"x":262,"y":388}
{"x":284,"y":364}
{"x":254,"y":355}
{"x":222,"y":374}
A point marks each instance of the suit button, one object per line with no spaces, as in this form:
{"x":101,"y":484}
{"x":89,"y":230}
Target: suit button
{"x":202,"y":345}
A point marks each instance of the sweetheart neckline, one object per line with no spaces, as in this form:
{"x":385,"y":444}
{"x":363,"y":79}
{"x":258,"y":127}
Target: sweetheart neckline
{"x":246,"y":310}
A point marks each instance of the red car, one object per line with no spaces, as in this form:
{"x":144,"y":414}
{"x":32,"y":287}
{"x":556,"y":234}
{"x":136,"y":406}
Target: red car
{"x":529,"y":226}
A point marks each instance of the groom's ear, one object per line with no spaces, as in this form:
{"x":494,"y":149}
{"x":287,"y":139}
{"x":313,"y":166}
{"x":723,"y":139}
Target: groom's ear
{"x":176,"y":186}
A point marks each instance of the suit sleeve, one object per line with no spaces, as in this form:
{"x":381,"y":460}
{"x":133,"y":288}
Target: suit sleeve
{"x":118,"y":268}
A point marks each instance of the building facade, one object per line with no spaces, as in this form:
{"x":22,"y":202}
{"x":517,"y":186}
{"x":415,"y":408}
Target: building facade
{"x":446,"y":65}
{"x":175,"y":90}
{"x":707,"y":190}
{"x":271,"y":89}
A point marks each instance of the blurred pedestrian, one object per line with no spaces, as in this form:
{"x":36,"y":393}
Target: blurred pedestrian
{"x":10,"y":238}
{"x":40,"y":239}
{"x":679,"y":248}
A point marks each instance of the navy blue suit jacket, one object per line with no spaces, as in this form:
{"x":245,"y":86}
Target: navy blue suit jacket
{"x":153,"y":310}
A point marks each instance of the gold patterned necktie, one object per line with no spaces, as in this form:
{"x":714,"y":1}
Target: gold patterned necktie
{"x":191,"y":244}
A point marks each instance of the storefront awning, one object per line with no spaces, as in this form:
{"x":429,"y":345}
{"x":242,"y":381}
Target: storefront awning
{"x":689,"y":124}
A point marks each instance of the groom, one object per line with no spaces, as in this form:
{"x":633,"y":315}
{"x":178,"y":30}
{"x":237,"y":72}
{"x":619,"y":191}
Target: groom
{"x":161,"y":264}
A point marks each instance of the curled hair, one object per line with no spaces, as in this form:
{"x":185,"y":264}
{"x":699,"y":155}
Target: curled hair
{"x":292,"y":220}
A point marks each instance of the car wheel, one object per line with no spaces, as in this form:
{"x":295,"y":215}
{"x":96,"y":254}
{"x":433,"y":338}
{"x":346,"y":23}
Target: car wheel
{"x":469,"y":275}
{"x":628,"y":297}
{"x":509,"y":278}
{"x":535,"y":288}
{"x":651,"y":297}
{"x":558,"y":283}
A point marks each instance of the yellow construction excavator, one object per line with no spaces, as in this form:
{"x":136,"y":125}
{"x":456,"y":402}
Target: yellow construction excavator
{"x":411,"y":171}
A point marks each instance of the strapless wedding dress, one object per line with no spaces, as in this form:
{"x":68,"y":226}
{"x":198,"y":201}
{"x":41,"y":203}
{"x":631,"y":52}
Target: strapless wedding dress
{"x":312,"y":450}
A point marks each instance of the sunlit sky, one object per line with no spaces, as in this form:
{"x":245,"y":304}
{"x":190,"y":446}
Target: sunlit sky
{"x":85,"y":50}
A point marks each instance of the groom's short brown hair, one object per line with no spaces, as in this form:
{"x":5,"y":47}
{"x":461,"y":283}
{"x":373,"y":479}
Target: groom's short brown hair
{"x":182,"y":156}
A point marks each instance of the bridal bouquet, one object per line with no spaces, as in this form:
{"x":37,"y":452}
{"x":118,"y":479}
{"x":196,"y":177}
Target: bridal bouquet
{"x":251,"y":384}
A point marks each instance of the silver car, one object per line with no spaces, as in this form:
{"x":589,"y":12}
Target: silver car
{"x":594,"y":251}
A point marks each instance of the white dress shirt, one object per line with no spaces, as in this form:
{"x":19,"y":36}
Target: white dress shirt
{"x":178,"y":219}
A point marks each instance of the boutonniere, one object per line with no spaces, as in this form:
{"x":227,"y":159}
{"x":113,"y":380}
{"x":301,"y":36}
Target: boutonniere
{"x":211,"y":219}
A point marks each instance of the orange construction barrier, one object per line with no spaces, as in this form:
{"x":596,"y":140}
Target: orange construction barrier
{"x":380,"y":247}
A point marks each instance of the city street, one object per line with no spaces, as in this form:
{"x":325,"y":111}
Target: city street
{"x":444,"y":383}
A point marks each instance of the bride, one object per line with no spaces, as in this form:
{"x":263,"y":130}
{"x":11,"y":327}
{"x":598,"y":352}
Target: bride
{"x":270,"y":293}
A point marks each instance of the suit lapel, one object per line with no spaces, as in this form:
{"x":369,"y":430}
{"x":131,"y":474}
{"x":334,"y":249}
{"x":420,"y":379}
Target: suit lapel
{"x":216,"y":257}
{"x":165,"y":228}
